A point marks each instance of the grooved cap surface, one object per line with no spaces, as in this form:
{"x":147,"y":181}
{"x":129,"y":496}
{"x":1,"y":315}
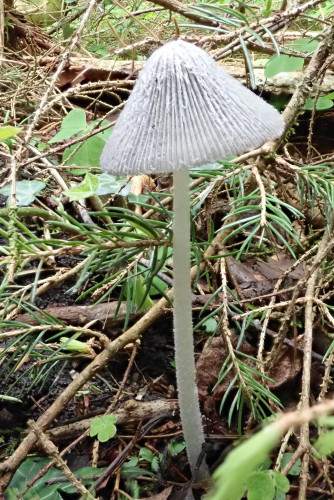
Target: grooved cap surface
{"x":186,"y":111}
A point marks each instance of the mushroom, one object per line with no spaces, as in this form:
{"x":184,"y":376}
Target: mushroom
{"x":186,"y":111}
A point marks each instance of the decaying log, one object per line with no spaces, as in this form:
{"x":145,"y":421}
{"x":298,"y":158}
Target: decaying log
{"x":131,"y":412}
{"x":81,"y":315}
{"x":90,"y":69}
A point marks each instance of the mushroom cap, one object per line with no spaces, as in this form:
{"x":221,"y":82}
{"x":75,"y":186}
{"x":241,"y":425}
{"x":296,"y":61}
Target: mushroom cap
{"x":186,"y":111}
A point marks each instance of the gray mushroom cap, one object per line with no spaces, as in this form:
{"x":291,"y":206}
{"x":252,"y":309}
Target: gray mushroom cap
{"x":186,"y":111}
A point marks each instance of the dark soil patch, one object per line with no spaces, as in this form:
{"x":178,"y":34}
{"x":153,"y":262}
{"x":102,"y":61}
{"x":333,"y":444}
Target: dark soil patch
{"x":153,"y":361}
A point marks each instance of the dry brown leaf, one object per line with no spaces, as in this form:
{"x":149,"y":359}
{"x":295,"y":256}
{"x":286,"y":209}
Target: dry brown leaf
{"x":209,"y":365}
{"x":140,"y":183}
{"x":257,"y":277}
{"x":287,"y":367}
{"x":163,"y":495}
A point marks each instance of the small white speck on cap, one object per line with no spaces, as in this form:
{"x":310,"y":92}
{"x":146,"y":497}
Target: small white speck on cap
{"x":186,"y":111}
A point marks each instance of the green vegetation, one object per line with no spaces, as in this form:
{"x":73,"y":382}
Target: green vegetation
{"x":86,"y":261}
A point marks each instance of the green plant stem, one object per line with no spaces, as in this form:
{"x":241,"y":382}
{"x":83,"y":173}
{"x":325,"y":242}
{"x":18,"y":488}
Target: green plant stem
{"x":183,"y":328}
{"x":30,"y":212}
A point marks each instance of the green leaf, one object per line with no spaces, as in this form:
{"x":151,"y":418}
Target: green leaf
{"x":210,"y":325}
{"x":41,"y":490}
{"x":72,"y":124}
{"x":303,"y":45}
{"x":260,"y":487}
{"x":108,"y":184}
{"x":26,"y":471}
{"x":87,"y":476}
{"x":232,"y":476}
{"x":175,"y":448}
{"x":322,"y":103}
{"x":74,"y":345}
{"x":8,"y":131}
{"x":327,"y":421}
{"x":78,"y":171}
{"x":146,"y":454}
{"x":160,"y":286}
{"x":282,"y":64}
{"x":295,"y":469}
{"x":139,"y":294}
{"x":68,"y":30}
{"x":267,"y":11}
{"x":128,"y":471}
{"x":101,"y":50}
{"x":155,"y":464}
{"x":88,"y":155}
{"x":26,"y":191}
{"x":11,"y":399}
{"x":281,"y":482}
{"x":85,"y":189}
{"x":325,"y":444}
{"x":103,"y":427}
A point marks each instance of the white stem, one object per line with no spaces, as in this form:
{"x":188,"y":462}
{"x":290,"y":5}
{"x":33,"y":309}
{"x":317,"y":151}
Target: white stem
{"x":183,"y":328}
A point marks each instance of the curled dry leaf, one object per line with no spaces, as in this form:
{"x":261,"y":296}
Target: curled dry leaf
{"x":140,"y":184}
{"x":256,"y":277}
{"x":287,"y":367}
{"x":209,"y":365}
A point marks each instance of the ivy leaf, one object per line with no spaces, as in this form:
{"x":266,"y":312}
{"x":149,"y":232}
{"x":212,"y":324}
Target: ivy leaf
{"x":282,"y":64}
{"x":85,"y":189}
{"x":88,"y":155}
{"x":26,"y":191}
{"x":72,"y":124}
{"x":108,"y":184}
{"x":103,"y":427}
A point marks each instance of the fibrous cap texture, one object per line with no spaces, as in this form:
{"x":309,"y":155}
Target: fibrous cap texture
{"x":186,"y":111}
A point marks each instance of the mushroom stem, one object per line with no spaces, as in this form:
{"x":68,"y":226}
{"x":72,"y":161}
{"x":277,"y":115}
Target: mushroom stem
{"x":183,"y":328}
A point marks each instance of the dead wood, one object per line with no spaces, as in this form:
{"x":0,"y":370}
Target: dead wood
{"x":130,"y":413}
{"x":81,"y":315}
{"x":81,"y":69}
{"x":185,"y":10}
{"x":25,"y":35}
